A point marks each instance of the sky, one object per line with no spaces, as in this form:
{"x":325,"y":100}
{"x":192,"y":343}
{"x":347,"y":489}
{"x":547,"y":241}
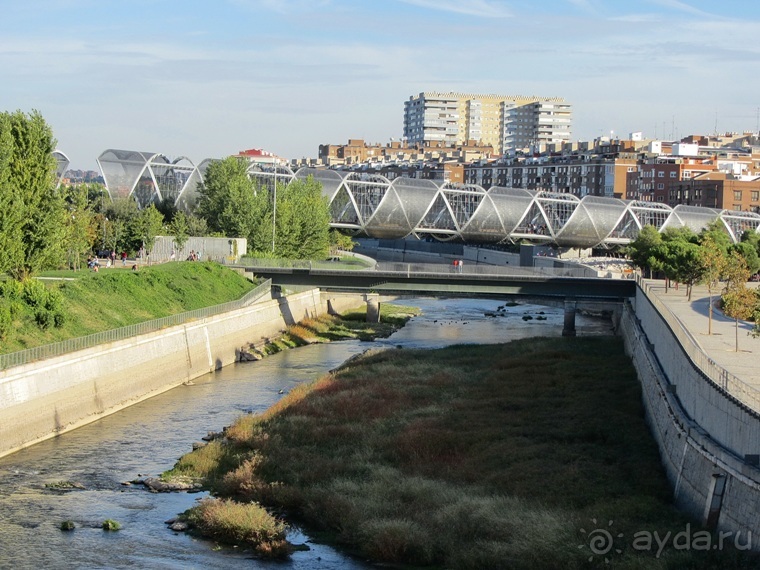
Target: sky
{"x":206,"y":79}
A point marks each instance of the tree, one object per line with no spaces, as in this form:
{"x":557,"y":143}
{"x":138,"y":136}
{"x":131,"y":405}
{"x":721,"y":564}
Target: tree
{"x":178,"y":228}
{"x":340,"y":241}
{"x":147,"y":225}
{"x":303,"y":221}
{"x":196,"y":226}
{"x":749,"y":253}
{"x":641,"y":249}
{"x":32,"y":216}
{"x":229,"y":201}
{"x":739,"y":302}
{"x":713,"y":260}
{"x":80,"y":224}
{"x":678,"y":257}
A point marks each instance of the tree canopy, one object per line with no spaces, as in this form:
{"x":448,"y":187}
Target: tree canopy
{"x":296,"y":227}
{"x":32,"y":213}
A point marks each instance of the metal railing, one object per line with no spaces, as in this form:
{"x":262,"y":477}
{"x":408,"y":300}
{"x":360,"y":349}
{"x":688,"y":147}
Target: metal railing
{"x":266,"y":263}
{"x":73,"y":344}
{"x":471,"y":269}
{"x":719,"y":376}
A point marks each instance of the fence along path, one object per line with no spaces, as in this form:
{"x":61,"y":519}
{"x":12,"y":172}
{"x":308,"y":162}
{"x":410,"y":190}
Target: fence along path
{"x":73,"y":344}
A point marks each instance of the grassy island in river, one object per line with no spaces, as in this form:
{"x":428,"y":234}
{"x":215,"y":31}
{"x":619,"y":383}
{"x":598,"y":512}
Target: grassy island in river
{"x":476,"y":456}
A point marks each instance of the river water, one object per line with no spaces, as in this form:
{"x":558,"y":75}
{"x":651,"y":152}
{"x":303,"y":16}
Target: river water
{"x":147,"y":438}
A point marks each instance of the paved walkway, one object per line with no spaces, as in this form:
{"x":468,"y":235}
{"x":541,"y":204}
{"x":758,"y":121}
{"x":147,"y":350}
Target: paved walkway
{"x":720,"y":346}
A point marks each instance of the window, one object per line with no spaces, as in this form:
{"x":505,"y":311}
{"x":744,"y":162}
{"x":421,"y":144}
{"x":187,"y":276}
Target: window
{"x":660,"y":186}
{"x":737,"y":207}
{"x":673,"y":174}
{"x":661,"y":174}
{"x":737,"y":195}
{"x":755,"y":195}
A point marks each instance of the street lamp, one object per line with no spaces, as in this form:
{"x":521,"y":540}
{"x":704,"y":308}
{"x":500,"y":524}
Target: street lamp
{"x":274,"y":203}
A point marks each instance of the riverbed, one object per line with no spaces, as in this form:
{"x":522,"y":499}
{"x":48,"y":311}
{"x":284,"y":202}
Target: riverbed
{"x":147,"y":438}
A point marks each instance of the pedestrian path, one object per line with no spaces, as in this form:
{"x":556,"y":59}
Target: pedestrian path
{"x":720,"y":346}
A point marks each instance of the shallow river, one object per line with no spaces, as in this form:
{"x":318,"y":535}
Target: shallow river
{"x":147,"y":439}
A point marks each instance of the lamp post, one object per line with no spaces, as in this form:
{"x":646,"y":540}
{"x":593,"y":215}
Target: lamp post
{"x":274,"y":203}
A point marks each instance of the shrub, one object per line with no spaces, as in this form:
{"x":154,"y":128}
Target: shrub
{"x":6,"y":319}
{"x":110,"y":525}
{"x":67,"y":525}
{"x":247,"y":524}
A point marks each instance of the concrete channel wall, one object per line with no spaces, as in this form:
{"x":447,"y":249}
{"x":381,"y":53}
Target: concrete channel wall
{"x":707,"y":439}
{"x":42,"y":399}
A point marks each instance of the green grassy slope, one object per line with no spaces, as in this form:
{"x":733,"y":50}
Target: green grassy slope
{"x":113,"y":298}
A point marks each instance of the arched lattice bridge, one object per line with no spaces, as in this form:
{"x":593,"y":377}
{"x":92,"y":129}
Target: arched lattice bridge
{"x":372,"y":205}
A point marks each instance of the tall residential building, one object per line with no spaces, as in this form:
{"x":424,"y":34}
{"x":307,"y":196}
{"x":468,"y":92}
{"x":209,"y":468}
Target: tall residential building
{"x":508,"y":123}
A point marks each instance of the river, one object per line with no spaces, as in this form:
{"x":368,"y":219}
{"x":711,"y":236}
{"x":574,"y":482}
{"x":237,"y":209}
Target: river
{"x":147,"y":438}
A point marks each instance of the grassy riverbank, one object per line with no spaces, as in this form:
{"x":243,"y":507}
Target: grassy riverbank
{"x":500,"y":456}
{"x":349,"y":325}
{"x":114,"y":298}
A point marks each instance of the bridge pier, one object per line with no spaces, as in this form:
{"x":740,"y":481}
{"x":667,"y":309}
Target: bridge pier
{"x":373,"y":307}
{"x":569,"y":326}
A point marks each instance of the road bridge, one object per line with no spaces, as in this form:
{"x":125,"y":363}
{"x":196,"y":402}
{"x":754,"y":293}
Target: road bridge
{"x":570,"y":289}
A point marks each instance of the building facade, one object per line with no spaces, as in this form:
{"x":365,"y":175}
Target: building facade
{"x":508,"y":123}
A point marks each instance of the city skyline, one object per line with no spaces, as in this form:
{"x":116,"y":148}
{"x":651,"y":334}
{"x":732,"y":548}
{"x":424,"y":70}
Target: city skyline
{"x":200,"y":80}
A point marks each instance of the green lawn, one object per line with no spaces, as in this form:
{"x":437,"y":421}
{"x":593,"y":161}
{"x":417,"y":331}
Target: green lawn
{"x":113,"y":298}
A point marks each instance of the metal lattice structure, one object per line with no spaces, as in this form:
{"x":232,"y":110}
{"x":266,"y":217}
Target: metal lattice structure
{"x":150,"y":177}
{"x":61,"y":165}
{"x":372,"y":205}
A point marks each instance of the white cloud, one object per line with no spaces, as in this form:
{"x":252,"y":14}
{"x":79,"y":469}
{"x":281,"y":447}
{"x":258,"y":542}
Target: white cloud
{"x":479,"y":8}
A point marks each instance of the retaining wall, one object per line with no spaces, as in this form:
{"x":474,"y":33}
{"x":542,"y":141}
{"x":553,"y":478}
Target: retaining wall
{"x":704,"y":435}
{"x":42,"y":399}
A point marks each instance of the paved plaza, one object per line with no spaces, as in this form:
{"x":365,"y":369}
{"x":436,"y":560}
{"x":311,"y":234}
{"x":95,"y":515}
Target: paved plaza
{"x":720,"y":346}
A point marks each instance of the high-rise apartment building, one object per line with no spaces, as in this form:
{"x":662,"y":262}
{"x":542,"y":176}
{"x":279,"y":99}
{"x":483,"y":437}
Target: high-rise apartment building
{"x":507,"y":123}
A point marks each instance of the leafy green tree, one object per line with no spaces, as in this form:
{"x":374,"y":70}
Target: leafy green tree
{"x":640,"y":250}
{"x":303,"y":221}
{"x":749,"y":253}
{"x":120,"y":215}
{"x":147,"y":225}
{"x":717,"y":233}
{"x":677,"y":255}
{"x":179,"y":229}
{"x":80,"y":224}
{"x":340,"y":242}
{"x":713,"y":259}
{"x":196,"y":226}
{"x":229,"y":201}
{"x":32,"y":215}
{"x":739,"y":302}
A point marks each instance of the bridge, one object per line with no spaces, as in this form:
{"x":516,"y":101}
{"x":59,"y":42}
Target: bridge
{"x":374,"y":206}
{"x":571,"y":289}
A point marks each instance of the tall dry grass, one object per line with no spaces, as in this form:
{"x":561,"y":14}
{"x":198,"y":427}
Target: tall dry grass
{"x":465,"y":457}
{"x":246,"y":524}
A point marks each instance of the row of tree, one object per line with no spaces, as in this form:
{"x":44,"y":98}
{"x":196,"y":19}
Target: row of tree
{"x":43,"y":227}
{"x":708,"y":258}
{"x":290,"y":221}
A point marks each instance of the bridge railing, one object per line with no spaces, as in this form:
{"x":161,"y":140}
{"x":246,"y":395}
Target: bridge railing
{"x":73,"y":344}
{"x":473,"y":269}
{"x":336,"y":264}
{"x":733,"y":385}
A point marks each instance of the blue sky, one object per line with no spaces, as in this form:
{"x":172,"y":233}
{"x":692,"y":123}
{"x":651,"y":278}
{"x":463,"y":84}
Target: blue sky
{"x":209,"y":78}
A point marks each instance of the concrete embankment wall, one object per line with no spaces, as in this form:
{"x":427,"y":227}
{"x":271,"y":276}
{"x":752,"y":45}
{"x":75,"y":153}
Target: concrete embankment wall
{"x":42,"y":399}
{"x":708,"y":441}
